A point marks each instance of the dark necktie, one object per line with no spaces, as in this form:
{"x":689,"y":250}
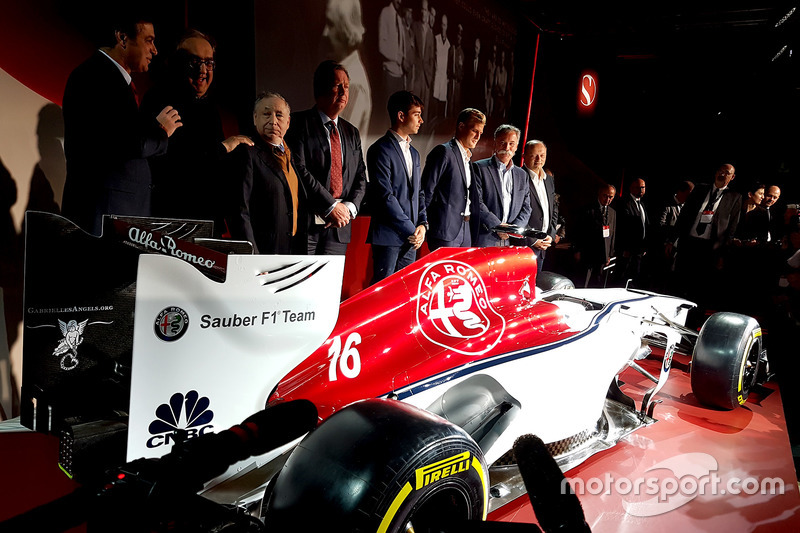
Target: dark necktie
{"x":135,"y":94}
{"x":605,"y":215}
{"x":336,"y":162}
{"x":712,"y":199}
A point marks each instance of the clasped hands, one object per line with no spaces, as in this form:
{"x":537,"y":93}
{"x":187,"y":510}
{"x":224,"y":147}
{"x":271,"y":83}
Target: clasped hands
{"x":339,"y":217}
{"x":418,"y":237}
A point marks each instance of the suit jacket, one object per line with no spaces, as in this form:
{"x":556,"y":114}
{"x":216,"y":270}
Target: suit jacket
{"x":107,"y":169}
{"x":398,"y":203}
{"x":536,"y":220}
{"x":490,"y":194}
{"x":632,"y":236}
{"x":263,"y":203}
{"x":724,"y":221}
{"x":444,"y":181}
{"x":669,"y":219}
{"x":311,"y":151}
{"x":763,"y":221}
{"x":189,"y":178}
{"x":588,"y":237}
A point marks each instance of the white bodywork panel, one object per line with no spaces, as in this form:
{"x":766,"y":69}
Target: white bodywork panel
{"x":288,"y":306}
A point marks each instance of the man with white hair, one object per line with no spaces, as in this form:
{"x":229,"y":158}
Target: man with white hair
{"x":502,"y":189}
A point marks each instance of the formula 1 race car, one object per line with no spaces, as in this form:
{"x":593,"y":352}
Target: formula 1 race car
{"x":421,"y":383}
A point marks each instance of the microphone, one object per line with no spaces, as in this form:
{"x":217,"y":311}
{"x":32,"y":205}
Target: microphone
{"x":198,"y":460}
{"x":160,"y":489}
{"x":556,"y":506}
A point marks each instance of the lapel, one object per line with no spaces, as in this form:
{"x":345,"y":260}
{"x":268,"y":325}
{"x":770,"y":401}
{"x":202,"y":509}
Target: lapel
{"x":317,"y":132}
{"x":534,"y":192}
{"x":269,"y":161}
{"x":459,"y":161}
{"x":498,"y":182}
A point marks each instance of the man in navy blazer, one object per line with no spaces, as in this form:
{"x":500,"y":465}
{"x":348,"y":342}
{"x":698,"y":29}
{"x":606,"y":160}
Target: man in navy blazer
{"x":449,"y":184}
{"x":502,"y":189}
{"x":310,"y":139}
{"x":398,"y":225}
{"x":544,"y":209}
{"x":108,"y":173}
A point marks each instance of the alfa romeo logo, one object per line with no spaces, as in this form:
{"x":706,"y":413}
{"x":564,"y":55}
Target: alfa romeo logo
{"x":171,"y":324}
{"x":454,"y":311}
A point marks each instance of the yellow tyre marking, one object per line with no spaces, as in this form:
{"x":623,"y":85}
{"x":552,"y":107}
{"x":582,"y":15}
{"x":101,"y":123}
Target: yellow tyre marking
{"x":398,"y":501}
{"x":477,"y":466}
{"x":756,"y":334}
{"x":407,"y":488}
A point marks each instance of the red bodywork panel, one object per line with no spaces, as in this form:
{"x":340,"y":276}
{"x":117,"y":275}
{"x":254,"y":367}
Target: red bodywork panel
{"x":453,"y":308}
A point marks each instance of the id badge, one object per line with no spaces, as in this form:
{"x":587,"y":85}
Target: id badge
{"x":606,"y":232}
{"x":706,"y":217}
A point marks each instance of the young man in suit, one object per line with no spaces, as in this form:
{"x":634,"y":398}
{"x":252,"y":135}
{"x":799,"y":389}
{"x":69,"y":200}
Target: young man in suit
{"x":502,"y":188}
{"x":544,"y":210}
{"x":329,"y":148}
{"x":398,"y":225}
{"x":449,"y":184}
{"x":107,"y":170}
{"x":274,"y":197}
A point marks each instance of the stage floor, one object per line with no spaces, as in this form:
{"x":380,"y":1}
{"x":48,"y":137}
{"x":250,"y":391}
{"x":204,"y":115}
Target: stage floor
{"x":696,"y":469}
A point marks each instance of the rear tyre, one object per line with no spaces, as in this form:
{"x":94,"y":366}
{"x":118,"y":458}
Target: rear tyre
{"x":725,"y":360}
{"x":379,"y":465}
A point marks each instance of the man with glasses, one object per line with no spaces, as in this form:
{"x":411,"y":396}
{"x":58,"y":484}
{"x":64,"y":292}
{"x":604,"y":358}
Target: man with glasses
{"x":187,"y":180}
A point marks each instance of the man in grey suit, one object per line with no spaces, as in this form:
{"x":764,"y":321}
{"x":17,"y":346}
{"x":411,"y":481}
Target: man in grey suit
{"x":449,"y":184}
{"x":329,"y":148}
{"x":544,"y":210}
{"x":398,"y":225}
{"x":502,"y":189}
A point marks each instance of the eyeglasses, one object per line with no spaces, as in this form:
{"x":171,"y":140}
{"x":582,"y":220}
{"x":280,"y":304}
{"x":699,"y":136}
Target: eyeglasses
{"x":196,"y":63}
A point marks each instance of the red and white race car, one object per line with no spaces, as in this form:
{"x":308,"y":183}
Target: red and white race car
{"x":465,"y":336}
{"x":422,"y":383}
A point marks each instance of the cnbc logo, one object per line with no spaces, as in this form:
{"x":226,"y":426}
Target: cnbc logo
{"x":189,"y":412}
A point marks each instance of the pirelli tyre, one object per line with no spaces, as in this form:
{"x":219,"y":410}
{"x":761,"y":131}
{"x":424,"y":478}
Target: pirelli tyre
{"x":725,"y":360}
{"x":380,"y":466}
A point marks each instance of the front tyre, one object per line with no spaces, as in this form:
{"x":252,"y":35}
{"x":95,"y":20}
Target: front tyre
{"x":725,"y":360}
{"x":380,"y":466}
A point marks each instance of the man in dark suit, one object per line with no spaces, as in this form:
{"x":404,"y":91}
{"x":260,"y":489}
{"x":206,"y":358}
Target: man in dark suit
{"x":449,"y":184}
{"x":706,"y":225}
{"x":502,"y":189}
{"x":329,"y":148}
{"x":544,"y":210}
{"x":398,"y":225}
{"x":274,"y":197}
{"x":634,"y":234}
{"x":593,"y":243}
{"x":188,"y":180}
{"x":107,"y":170}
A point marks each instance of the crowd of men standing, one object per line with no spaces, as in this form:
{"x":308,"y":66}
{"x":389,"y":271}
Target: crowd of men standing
{"x":296,"y":185}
